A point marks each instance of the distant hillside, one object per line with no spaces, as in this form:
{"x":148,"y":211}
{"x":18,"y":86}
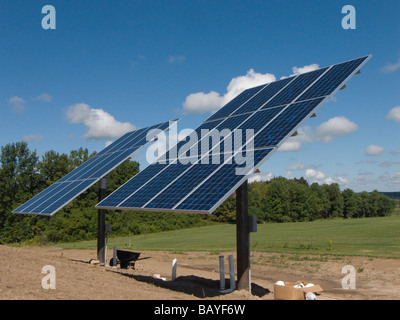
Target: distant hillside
{"x":392,"y":195}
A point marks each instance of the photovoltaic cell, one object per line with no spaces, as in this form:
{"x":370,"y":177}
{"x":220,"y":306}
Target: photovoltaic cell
{"x":200,"y":179}
{"x":234,"y":104}
{"x":331,"y":80}
{"x":296,"y":87}
{"x":264,"y":96}
{"x":288,"y":119}
{"x":77,"y":181}
{"x":154,"y":186}
{"x":207,"y":195}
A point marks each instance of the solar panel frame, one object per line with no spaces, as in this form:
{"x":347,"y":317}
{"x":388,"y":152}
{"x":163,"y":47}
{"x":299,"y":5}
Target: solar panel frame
{"x":273,"y":148}
{"x":49,"y":200}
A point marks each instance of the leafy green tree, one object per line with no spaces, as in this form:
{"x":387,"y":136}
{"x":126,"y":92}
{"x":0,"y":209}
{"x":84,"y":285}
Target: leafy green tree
{"x":226,"y":212}
{"x":257,"y":199}
{"x":277,"y":202}
{"x":19,"y":175}
{"x":364,"y":205}
{"x":319,"y":203}
{"x":299,"y":197}
{"x":336,"y":200}
{"x":381,"y":205}
{"x":19,"y":180}
{"x":22,"y":176}
{"x":54,"y":166}
{"x":77,"y":157}
{"x":350,"y":201}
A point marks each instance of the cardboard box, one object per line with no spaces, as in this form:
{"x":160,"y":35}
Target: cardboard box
{"x":289,"y":292}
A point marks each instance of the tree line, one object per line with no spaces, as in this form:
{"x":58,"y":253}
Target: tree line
{"x":23,"y":174}
{"x":284,"y":200}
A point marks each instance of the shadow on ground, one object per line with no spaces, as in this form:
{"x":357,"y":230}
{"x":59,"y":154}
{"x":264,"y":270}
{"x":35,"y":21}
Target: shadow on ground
{"x":193,"y":285}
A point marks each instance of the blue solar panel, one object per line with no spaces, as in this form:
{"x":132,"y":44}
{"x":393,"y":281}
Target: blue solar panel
{"x":58,"y":199}
{"x":190,"y":175}
{"x":258,"y":121}
{"x":289,"y":119}
{"x":223,"y":182}
{"x":296,"y":87}
{"x":77,"y":181}
{"x":264,"y":96}
{"x":203,"y":130}
{"x":147,"y":189}
{"x":133,"y":185}
{"x":228,"y":124}
{"x":234,"y":104}
{"x":271,"y":113}
{"x":332,"y":79}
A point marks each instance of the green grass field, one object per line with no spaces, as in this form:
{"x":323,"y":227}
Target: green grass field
{"x":375,"y":237}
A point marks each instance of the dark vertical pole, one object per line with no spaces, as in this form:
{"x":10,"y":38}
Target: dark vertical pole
{"x":243,"y":238}
{"x":101,"y":224}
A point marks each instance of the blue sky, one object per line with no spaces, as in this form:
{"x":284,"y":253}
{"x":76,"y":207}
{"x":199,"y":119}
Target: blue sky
{"x":111,"y":66}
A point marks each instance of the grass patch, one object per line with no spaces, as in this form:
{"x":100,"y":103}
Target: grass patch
{"x":374,"y":237}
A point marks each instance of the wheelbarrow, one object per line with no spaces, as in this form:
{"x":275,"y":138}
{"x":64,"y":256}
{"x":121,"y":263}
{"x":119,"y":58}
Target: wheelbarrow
{"x":126,"y":258}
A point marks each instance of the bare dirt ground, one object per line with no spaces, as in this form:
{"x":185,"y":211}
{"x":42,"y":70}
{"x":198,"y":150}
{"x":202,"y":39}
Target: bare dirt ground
{"x":197,"y":276}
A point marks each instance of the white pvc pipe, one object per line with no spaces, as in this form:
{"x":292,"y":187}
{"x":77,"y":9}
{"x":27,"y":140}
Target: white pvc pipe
{"x":173,"y":270}
{"x":231,"y":276}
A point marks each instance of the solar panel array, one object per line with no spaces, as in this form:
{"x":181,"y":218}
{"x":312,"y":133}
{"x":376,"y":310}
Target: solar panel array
{"x":77,"y":181}
{"x":199,"y":180}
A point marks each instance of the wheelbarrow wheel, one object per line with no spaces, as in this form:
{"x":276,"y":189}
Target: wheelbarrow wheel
{"x":111,"y":264}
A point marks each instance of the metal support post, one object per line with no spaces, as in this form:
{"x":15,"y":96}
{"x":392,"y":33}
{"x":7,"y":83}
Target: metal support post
{"x":101,"y":224}
{"x":243,"y":238}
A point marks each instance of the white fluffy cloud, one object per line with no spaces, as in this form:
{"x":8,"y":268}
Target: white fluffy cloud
{"x":174,"y":59}
{"x":201,"y":102}
{"x":261,"y":176}
{"x":17,"y":104}
{"x":319,"y":177}
{"x":300,"y":166}
{"x":100,"y":124}
{"x":44,"y":97}
{"x":391,"y":67}
{"x":290,"y":145}
{"x":374,"y":150}
{"x":394,"y":114}
{"x":33,"y":138}
{"x":314,"y":176}
{"x":391,"y":179}
{"x":296,"y":70}
{"x":304,"y":134}
{"x":250,"y":80}
{"x":324,"y":133}
{"x":336,"y":126}
{"x":309,"y":68}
